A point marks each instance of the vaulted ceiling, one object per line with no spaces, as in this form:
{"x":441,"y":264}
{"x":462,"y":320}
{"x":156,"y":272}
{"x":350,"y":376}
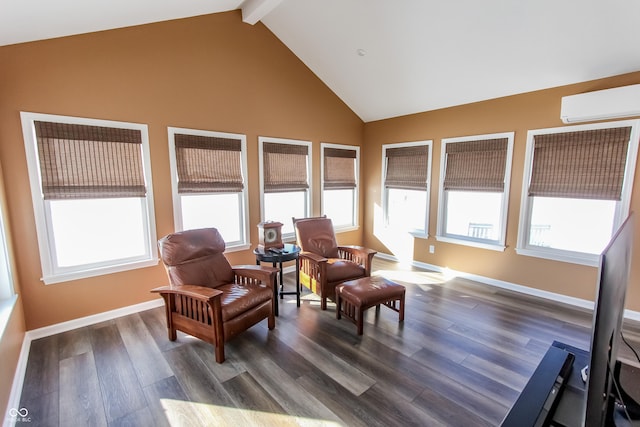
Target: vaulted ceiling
{"x":387,"y":58}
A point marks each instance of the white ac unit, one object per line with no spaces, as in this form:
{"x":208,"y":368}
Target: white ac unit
{"x":601,"y":105}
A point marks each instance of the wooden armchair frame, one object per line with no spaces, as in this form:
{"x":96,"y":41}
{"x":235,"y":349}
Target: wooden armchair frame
{"x":197,"y":310}
{"x":313,"y":266}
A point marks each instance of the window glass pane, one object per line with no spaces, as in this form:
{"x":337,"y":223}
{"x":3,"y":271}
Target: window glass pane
{"x":284,"y":206}
{"x":579,"y":225}
{"x":406,"y":209}
{"x":474,"y":214}
{"x":222,"y":211}
{"x":6,"y":281}
{"x":338,"y":205}
{"x":90,"y":231}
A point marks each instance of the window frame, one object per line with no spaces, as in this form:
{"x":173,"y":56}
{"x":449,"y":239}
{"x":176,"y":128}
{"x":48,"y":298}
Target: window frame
{"x":8,"y":296}
{"x":243,"y":196}
{"x":51,"y":273}
{"x":441,"y":236}
{"x":526,"y":202}
{"x":356,"y":191}
{"x":308,"y":194}
{"x":424,"y":233}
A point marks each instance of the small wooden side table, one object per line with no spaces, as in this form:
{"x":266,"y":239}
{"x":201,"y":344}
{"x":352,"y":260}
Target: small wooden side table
{"x":288,"y":253}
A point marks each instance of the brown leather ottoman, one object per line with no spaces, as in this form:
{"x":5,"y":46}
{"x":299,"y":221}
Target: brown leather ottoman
{"x":354,"y":297}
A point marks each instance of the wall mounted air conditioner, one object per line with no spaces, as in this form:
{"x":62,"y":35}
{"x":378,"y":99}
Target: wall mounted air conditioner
{"x":601,"y":105}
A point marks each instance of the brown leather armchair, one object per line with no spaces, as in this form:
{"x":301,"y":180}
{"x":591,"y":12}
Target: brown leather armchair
{"x":324,"y":264}
{"x":207,"y":297}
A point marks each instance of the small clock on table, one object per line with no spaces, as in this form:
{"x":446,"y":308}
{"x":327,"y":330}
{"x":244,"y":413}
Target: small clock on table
{"x":270,"y":235}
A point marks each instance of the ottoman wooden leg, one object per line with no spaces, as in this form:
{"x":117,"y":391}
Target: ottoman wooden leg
{"x":338,"y":306}
{"x":401,"y":311}
{"x":360,"y":321}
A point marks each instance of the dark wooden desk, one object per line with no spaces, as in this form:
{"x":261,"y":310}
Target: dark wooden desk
{"x":289,"y":253}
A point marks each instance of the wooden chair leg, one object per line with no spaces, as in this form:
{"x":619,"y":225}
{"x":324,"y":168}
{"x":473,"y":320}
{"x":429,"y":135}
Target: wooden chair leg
{"x":169,"y":307}
{"x":172,"y":334}
{"x":271,"y":320}
{"x":220,"y":353}
{"x":323,"y":303}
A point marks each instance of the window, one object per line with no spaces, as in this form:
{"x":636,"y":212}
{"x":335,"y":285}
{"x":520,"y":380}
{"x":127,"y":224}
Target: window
{"x":208,"y":171}
{"x":7,"y":292}
{"x":576,"y":189}
{"x":405,"y":189}
{"x":6,"y":277}
{"x":340,"y":166}
{"x":474,"y":189}
{"x":285,"y":168}
{"x":92,"y":195}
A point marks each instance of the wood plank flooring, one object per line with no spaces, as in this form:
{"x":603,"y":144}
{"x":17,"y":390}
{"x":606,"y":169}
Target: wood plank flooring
{"x":461,"y":358}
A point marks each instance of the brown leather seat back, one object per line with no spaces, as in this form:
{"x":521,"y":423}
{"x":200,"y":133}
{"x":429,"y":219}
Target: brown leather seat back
{"x":196,"y":257}
{"x":316,"y":235}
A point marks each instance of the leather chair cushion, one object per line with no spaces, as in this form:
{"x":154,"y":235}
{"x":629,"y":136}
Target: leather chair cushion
{"x":317,"y":236}
{"x":237,"y":299}
{"x":370,"y":291}
{"x":196,"y":257}
{"x":339,"y":270}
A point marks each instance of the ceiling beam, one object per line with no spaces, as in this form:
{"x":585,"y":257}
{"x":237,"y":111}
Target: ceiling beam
{"x":254,"y":10}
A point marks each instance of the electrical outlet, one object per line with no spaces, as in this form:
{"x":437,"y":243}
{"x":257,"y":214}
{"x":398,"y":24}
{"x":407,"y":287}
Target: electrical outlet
{"x":432,"y":249}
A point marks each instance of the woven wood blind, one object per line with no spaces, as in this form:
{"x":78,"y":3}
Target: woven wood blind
{"x":476,"y":165}
{"x":208,"y":164}
{"x":339,"y":169}
{"x":285,"y":167}
{"x":89,"y":162}
{"x":407,"y":167}
{"x":586,"y":164}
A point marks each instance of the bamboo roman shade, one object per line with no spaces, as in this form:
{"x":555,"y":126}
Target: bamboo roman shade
{"x":586,"y":164}
{"x":88,"y":162}
{"x":407,"y":167}
{"x":207,"y":164}
{"x":476,"y":165}
{"x":285,"y":167}
{"x":339,"y":169}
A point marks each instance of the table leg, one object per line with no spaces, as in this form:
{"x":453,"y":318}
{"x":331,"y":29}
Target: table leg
{"x":281,"y":281}
{"x":298,"y":282}
{"x":275,"y":291}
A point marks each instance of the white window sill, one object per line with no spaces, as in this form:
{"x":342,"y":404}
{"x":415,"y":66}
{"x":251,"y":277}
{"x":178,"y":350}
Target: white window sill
{"x":345,"y":228}
{"x":473,"y":243}
{"x":237,"y":248}
{"x":100,"y":271}
{"x":562,"y":256}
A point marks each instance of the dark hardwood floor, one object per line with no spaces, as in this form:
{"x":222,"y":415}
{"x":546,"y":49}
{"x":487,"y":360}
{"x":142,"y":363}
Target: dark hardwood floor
{"x":461,"y":358}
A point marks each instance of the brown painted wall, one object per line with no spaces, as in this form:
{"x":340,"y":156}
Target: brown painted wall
{"x":211,"y":72}
{"x":515,"y":113}
{"x":214,"y":72}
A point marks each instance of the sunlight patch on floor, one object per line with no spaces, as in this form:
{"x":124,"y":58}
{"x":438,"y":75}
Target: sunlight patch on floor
{"x":420,"y":278}
{"x":181,"y":413}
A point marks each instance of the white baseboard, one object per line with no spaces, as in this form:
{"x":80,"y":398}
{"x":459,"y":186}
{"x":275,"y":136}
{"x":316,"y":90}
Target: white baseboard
{"x":93,"y":319}
{"x":576,"y":302}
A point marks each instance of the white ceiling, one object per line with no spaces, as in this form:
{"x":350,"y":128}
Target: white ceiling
{"x":420,"y":55}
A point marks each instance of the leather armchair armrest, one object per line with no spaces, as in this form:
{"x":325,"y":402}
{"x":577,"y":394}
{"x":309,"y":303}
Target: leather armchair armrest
{"x":359,"y":250}
{"x":315,"y":258}
{"x":260,"y":273}
{"x":359,"y":254}
{"x":201,"y":293}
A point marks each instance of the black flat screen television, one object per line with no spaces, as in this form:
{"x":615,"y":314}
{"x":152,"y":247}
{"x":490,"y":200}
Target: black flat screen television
{"x":615,"y":264}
